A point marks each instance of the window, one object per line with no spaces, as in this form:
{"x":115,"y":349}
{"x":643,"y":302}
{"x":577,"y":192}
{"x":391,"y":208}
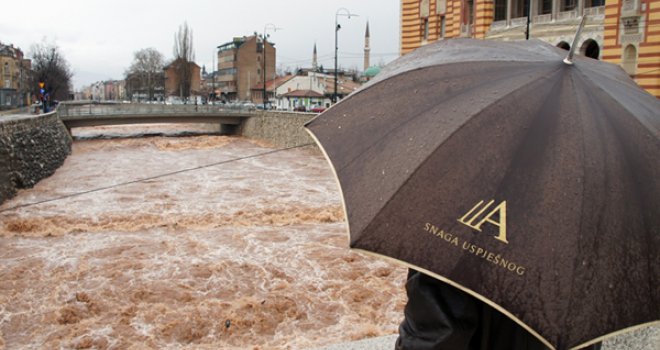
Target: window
{"x":500,"y":10}
{"x":545,"y":7}
{"x":227,"y":71}
{"x":590,"y":49}
{"x":440,"y":7}
{"x":424,"y":9}
{"x":442,"y":27}
{"x":519,"y":9}
{"x":630,"y":60}
{"x":564,"y":45}
{"x":468,"y":14}
{"x":568,"y":5}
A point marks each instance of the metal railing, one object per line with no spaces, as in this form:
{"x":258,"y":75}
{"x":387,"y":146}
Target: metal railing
{"x":541,"y":19}
{"x":597,"y":11}
{"x":566,"y":15}
{"x":69,"y":110}
{"x":518,"y":22}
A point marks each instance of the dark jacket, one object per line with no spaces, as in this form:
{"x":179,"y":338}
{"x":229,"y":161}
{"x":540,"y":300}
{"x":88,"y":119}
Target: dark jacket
{"x":441,"y":317}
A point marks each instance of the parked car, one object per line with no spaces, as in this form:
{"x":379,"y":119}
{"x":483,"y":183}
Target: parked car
{"x":300,"y":108}
{"x":269,"y":106}
{"x":317,"y":109}
{"x":248,"y":106}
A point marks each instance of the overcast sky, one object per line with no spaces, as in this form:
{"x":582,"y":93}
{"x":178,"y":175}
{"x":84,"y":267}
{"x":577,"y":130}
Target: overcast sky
{"x":99,"y":38}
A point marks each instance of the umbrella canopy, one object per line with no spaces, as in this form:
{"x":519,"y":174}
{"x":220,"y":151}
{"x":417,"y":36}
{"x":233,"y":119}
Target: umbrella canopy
{"x":527,"y":182}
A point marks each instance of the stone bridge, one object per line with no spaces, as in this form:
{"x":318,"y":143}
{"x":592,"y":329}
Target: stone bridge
{"x":75,"y":115}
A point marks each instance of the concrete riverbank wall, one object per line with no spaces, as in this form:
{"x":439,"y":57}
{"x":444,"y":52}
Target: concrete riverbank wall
{"x":31,"y":148}
{"x":281,"y":129}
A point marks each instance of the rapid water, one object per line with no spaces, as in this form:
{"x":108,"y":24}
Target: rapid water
{"x":219,"y":254}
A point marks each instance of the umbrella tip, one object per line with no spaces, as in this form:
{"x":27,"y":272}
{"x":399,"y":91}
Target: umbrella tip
{"x":569,"y":58}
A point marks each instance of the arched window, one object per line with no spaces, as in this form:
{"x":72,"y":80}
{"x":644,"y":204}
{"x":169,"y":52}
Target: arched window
{"x":564,"y":45}
{"x":590,"y":49}
{"x":630,"y":60}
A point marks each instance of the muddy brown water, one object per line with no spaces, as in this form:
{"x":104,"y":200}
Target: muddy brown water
{"x":247,"y":254}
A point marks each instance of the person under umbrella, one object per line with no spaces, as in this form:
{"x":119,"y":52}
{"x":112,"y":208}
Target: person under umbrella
{"x":528,"y":183}
{"x":441,"y":317}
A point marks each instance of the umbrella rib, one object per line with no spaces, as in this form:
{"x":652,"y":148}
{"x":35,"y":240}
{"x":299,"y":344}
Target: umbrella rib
{"x":572,"y":300}
{"x":582,"y":97}
{"x":616,"y":100}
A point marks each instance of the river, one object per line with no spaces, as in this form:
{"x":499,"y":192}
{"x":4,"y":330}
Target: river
{"x":193,"y":242}
{"x":149,"y":239}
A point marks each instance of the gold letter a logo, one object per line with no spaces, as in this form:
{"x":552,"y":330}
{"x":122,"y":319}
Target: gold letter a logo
{"x":501,"y":209}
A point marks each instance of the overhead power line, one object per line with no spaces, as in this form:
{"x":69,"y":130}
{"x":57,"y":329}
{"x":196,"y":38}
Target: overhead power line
{"x":98,"y":189}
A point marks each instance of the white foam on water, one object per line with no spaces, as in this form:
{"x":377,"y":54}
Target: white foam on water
{"x":165,"y":263}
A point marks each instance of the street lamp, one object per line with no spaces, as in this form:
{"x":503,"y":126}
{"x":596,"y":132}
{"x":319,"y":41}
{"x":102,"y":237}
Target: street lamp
{"x":213,"y":69}
{"x":265,"y":39}
{"x":341,"y":12}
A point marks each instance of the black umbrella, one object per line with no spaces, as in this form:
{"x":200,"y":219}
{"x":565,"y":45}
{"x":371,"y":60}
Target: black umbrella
{"x":530,"y":183}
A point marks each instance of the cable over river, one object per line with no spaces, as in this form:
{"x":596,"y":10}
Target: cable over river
{"x":187,"y":242}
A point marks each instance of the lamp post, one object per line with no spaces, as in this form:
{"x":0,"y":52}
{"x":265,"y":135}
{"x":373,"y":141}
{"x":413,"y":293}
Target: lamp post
{"x":341,"y":12}
{"x":214,"y":68}
{"x":265,"y":39}
{"x":529,"y":18}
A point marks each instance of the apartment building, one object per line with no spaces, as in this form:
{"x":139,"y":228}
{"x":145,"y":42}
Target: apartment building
{"x":15,"y":73}
{"x":241,"y":66}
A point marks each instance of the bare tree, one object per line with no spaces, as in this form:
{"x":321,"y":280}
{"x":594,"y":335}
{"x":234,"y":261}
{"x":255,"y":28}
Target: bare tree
{"x":184,"y":56}
{"x":145,"y":74}
{"x":51,"y":68}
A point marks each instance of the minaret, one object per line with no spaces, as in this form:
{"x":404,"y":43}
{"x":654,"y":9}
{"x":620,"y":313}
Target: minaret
{"x":366,"y":48}
{"x":315,"y":66}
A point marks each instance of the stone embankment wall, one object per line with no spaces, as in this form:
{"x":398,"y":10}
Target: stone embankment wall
{"x":31,"y":148}
{"x":281,"y":129}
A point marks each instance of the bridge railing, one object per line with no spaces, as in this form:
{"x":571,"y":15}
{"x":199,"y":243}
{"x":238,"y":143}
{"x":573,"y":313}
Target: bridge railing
{"x":72,"y":110}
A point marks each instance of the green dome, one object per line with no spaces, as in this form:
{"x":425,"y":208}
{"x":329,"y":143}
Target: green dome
{"x":372,"y":71}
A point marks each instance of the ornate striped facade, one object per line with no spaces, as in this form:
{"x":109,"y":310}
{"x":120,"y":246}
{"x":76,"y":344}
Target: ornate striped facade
{"x":632,"y":39}
{"x":625,"y":32}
